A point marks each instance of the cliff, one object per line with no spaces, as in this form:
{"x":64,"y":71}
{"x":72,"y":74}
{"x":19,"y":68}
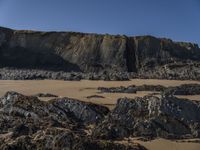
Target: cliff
{"x":70,"y":51}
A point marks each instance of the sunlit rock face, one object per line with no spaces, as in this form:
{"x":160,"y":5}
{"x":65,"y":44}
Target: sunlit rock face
{"x":150,"y":116}
{"x":72,"y":51}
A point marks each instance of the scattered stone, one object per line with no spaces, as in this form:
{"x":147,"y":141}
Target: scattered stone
{"x":159,"y":73}
{"x":36,"y":74}
{"x":45,"y":95}
{"x":95,"y":96}
{"x":121,"y":89}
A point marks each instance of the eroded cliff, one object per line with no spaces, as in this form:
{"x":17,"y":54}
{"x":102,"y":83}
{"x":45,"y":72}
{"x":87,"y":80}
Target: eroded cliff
{"x":70,"y":51}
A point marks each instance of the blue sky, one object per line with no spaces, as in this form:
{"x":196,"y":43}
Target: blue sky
{"x":175,"y":19}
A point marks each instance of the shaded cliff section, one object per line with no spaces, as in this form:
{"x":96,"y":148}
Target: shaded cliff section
{"x":80,"y":52}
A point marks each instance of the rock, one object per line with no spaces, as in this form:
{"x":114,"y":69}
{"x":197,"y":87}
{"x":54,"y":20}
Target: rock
{"x":56,"y":138}
{"x":154,"y":88}
{"x":18,"y":110}
{"x":107,"y":145}
{"x":95,"y":96}
{"x":45,"y":95}
{"x":22,"y":142}
{"x":82,"y":111}
{"x":65,"y":123}
{"x":132,"y":89}
{"x":121,"y":57}
{"x":35,"y":74}
{"x":185,"y":89}
{"x":60,"y":110}
{"x":28,"y":123}
{"x":121,"y":89}
{"x":172,"y":71}
{"x":150,"y":116}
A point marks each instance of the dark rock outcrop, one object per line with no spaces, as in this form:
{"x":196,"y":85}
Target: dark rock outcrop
{"x":184,"y":89}
{"x":172,"y":71}
{"x":132,"y":89}
{"x":60,"y":138}
{"x":34,"y":74}
{"x":85,"y":112}
{"x":155,"y":88}
{"x":145,"y":56}
{"x":121,"y":89}
{"x":45,"y":95}
{"x":150,"y":116}
{"x":60,"y":110}
{"x":95,"y":96}
{"x":28,"y":123}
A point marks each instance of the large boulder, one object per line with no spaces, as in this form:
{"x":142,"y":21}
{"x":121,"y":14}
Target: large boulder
{"x":60,"y":111}
{"x":82,"y":111}
{"x":150,"y":116}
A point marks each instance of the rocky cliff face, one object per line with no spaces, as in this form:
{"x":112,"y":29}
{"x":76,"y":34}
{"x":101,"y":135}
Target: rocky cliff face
{"x":71,"y":51}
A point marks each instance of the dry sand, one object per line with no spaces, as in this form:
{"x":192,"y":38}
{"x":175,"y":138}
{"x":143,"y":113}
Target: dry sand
{"x":81,"y":89}
{"x":163,"y":144}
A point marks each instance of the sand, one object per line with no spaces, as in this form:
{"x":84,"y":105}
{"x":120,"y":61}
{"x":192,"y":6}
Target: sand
{"x":163,"y":144}
{"x":81,"y":89}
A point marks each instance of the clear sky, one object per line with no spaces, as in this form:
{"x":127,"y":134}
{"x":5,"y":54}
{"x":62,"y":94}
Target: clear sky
{"x":175,"y":19}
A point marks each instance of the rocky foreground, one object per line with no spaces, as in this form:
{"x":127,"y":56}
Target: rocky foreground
{"x":26,"y":122}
